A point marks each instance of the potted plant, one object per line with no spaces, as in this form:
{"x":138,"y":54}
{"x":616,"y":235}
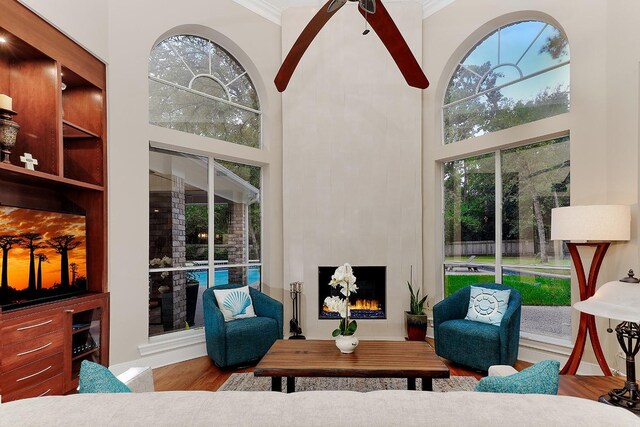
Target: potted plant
{"x":344,"y":279}
{"x":416,"y":317}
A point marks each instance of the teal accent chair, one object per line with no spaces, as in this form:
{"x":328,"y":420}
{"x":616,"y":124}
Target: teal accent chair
{"x":241,"y":341}
{"x":474,"y":344}
{"x":541,"y":378}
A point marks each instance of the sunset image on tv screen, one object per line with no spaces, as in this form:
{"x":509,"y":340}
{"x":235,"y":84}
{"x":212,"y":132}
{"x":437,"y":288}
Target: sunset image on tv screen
{"x":43,"y":254}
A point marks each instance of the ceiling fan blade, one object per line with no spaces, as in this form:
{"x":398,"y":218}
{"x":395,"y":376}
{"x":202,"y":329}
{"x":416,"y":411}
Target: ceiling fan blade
{"x":383,"y":25}
{"x":368,"y":5}
{"x":335,"y":5}
{"x":304,"y":40}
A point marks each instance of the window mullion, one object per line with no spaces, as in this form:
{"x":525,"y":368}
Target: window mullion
{"x":211,"y":208}
{"x":498,"y":216}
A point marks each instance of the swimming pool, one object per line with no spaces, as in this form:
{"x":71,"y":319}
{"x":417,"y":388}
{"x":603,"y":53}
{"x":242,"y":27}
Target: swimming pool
{"x":222,"y":276}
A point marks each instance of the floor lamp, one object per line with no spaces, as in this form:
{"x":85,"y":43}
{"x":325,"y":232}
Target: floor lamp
{"x":595,"y":226}
{"x":620,"y":300}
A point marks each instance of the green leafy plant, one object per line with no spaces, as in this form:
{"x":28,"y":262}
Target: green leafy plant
{"x":416,"y":304}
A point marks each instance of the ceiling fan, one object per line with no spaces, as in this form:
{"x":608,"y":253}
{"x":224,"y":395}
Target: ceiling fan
{"x":374,"y":14}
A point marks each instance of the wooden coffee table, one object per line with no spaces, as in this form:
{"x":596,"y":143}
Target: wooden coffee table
{"x":371,"y":359}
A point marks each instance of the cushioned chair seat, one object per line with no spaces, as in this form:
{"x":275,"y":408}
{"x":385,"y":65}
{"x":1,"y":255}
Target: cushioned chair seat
{"x":474,"y":340}
{"x":249,"y":339}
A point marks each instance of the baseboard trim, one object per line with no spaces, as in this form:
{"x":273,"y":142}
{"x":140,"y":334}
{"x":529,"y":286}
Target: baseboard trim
{"x":167,"y":350}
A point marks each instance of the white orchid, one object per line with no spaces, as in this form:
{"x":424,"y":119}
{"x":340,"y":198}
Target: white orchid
{"x":343,"y":277}
{"x":337,"y":305}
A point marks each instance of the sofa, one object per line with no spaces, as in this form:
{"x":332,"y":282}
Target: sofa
{"x":312,"y":408}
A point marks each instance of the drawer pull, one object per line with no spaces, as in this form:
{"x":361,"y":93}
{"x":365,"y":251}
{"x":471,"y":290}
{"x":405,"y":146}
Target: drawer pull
{"x":45,"y":393}
{"x":33,"y":375}
{"x":24,"y":328}
{"x":34,"y":350}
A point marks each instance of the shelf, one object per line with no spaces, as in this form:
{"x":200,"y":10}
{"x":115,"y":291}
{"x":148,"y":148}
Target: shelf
{"x":71,"y":131}
{"x":86,"y":353}
{"x":40,"y":178}
{"x":77,"y":331}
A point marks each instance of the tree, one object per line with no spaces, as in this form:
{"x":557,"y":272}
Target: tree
{"x":74,"y":271}
{"x":7,"y":242}
{"x":41,"y":258}
{"x":62,"y":245}
{"x":29,"y":241}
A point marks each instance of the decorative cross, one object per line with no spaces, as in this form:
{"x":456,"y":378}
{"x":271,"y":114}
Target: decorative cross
{"x":29,"y":161}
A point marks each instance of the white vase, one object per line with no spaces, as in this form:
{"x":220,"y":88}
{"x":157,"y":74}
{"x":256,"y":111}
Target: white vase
{"x":346,"y":344}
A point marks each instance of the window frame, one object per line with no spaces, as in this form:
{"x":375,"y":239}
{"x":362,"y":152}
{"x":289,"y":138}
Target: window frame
{"x":474,"y":42}
{"x":246,"y":72}
{"x":211,"y":266}
{"x":491,"y":142}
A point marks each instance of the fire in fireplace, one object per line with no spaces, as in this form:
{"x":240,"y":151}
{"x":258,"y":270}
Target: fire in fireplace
{"x":369,"y":302}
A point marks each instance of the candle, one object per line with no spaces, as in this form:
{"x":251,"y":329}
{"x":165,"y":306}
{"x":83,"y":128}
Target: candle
{"x":5,"y":102}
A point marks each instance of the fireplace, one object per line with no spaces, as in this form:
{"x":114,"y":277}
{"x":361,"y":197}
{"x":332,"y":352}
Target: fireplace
{"x":369,"y":302}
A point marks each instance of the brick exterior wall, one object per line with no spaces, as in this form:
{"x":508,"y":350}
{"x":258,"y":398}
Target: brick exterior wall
{"x":167,"y":237}
{"x":237,"y":242}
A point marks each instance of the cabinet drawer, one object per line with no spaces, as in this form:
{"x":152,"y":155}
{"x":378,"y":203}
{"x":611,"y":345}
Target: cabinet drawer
{"x":23,"y":329}
{"x":31,"y":374}
{"x":24,"y":352}
{"x":49,"y":387}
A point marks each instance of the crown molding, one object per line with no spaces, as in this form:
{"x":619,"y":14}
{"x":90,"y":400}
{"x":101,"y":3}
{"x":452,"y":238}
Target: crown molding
{"x":264,"y":9}
{"x":429,"y":7}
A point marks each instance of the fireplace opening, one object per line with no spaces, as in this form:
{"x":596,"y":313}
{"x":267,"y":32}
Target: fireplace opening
{"x":369,"y":302}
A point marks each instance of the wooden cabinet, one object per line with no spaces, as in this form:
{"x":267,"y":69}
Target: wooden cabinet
{"x":59,"y":94}
{"x":43,"y":346}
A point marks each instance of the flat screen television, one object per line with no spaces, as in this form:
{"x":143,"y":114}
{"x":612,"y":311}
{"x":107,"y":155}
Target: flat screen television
{"x":44,"y":256}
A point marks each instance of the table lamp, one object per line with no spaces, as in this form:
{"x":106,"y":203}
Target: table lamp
{"x":620,"y":300}
{"x":595,"y":226}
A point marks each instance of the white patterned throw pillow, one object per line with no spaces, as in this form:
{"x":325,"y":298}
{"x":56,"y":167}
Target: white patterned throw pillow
{"x":235,"y":303}
{"x":487,"y":305}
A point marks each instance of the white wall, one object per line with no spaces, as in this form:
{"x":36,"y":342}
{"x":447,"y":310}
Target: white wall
{"x":352,"y":147}
{"x":83,"y":21}
{"x":603,"y":121}
{"x":134,"y":28}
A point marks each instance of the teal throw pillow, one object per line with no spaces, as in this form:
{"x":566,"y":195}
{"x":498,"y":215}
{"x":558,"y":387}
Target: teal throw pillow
{"x":541,"y":378}
{"x":487,"y":305}
{"x":95,"y":378}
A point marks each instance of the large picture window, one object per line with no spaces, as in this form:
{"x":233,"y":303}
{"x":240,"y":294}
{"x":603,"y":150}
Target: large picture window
{"x":515,"y":75}
{"x":204,"y":230}
{"x":507,"y":197}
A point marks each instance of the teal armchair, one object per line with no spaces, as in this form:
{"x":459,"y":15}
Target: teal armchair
{"x":474,"y":344}
{"x":241,"y":341}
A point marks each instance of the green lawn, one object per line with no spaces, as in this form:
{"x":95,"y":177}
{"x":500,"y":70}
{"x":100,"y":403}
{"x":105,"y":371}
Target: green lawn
{"x":535,"y":290}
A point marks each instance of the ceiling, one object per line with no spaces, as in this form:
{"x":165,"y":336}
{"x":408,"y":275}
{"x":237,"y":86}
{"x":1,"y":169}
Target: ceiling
{"x":272,"y":9}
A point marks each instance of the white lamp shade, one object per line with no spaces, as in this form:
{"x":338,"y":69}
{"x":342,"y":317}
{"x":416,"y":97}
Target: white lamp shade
{"x":615,"y":300}
{"x":597,"y":222}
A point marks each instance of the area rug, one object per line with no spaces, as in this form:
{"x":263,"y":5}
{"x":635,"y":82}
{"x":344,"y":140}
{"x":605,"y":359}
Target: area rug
{"x":247,"y":382}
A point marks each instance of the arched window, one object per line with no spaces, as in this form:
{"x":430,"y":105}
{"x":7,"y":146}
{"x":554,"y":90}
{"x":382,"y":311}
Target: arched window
{"x":515,"y":75}
{"x":497,"y":205}
{"x":196,"y":86}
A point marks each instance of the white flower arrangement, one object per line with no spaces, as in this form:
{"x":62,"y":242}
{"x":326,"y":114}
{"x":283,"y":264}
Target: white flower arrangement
{"x":343,"y":277}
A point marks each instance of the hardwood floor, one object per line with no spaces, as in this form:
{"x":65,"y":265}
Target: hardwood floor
{"x":202,"y":374}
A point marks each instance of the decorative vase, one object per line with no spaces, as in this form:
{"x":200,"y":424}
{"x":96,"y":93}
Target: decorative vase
{"x":346,"y":343}
{"x":417,"y":326}
{"x":8,"y":133}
